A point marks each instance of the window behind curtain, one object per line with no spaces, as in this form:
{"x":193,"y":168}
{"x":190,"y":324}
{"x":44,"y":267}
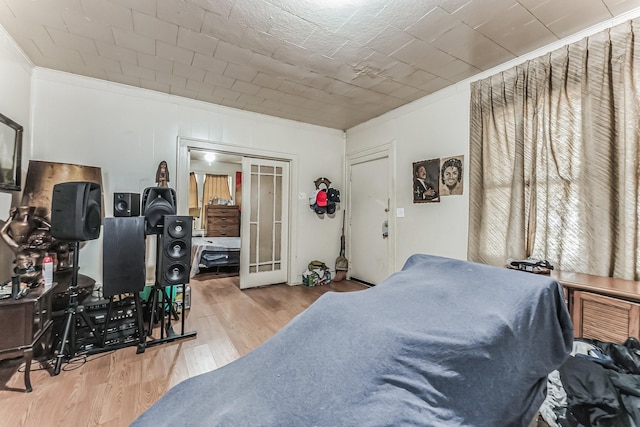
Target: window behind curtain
{"x":554,"y":159}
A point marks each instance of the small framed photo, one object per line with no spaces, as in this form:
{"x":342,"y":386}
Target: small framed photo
{"x":425,"y":181}
{"x":451,"y":176}
{"x":10,"y":154}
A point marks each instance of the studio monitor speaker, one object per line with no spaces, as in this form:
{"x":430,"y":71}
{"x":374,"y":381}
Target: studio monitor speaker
{"x":76,"y":211}
{"x":123,"y":253}
{"x":157,"y":202}
{"x":174,"y":263}
{"x":126,"y":204}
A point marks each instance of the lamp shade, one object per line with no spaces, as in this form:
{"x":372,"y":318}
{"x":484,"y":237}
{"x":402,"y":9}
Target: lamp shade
{"x":43,"y":176}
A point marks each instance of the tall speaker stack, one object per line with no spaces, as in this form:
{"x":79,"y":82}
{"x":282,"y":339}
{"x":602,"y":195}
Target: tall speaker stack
{"x":173,"y":261}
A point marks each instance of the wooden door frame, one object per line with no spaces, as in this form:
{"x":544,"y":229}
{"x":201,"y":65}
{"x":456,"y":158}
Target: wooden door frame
{"x":186,"y":144}
{"x":388,"y":151}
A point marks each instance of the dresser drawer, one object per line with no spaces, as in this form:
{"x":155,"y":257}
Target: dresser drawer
{"x":215,"y":230}
{"x":217,"y":210}
{"x":223,"y":220}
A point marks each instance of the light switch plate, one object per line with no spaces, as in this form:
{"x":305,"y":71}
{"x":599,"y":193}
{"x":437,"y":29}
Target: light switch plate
{"x":400,"y":213}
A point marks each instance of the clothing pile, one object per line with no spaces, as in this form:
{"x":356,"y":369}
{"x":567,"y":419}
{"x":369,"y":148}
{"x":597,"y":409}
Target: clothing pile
{"x":597,"y":386}
{"x":317,"y":274}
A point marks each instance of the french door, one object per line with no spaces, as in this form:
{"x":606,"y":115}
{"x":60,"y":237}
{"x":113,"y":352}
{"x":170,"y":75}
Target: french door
{"x":264,"y":222}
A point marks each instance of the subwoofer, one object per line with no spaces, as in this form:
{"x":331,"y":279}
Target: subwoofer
{"x":156,"y":203}
{"x":123,"y":253}
{"x":76,"y":211}
{"x":126,"y":204}
{"x":174,"y":261}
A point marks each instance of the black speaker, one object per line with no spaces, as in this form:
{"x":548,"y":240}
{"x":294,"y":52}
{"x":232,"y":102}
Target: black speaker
{"x":123,"y":253}
{"x":126,"y":204}
{"x":174,"y":262}
{"x":76,"y":211}
{"x":157,"y":202}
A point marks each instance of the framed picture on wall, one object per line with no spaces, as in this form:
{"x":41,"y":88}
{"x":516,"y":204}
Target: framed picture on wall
{"x":451,"y":179}
{"x":10,"y":154}
{"x":425,"y":181}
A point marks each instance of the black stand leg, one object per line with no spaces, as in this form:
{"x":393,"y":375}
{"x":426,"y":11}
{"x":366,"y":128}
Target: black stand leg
{"x":67,"y":348}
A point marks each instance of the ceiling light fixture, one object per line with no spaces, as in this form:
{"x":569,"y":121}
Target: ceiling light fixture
{"x":209,"y":157}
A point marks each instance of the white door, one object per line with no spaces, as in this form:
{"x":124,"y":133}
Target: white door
{"x":264,"y":222}
{"x":369,"y":211}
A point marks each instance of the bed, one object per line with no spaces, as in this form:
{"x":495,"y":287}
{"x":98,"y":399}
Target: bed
{"x":208,"y":252}
{"x":442,"y":342}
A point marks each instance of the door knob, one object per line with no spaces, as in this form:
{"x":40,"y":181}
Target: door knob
{"x":385,"y":229}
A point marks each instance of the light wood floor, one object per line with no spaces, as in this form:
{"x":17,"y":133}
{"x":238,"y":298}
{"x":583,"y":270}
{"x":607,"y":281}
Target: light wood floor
{"x":114,"y":388}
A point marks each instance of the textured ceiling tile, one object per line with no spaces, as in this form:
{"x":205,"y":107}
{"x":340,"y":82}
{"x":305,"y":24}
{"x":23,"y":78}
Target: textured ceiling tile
{"x":472,"y":47}
{"x":209,"y":63}
{"x":135,"y":42}
{"x":196,"y":41}
{"x":191,"y":73}
{"x":79,"y":24}
{"x":399,"y":71}
{"x":246,"y":87}
{"x":222,"y":28}
{"x":230,"y":53}
{"x":291,"y":28}
{"x":270,"y":94}
{"x":184,"y":92}
{"x":115,"y":15}
{"x":144,"y":6}
{"x":454,"y":68}
{"x":412,"y":51}
{"x":389,"y":40}
{"x":419,"y":78}
{"x":71,"y":41}
{"x":620,"y":6}
{"x":181,"y":13}
{"x":452,"y":6}
{"x":352,"y":53}
{"x":116,"y":52}
{"x":154,"y":28}
{"x":266,"y":80}
{"x":572,"y":22}
{"x":135,"y":71}
{"x":171,"y":80}
{"x":226,"y":93}
{"x":174,"y":53}
{"x":256,"y":14}
{"x":101,"y":62}
{"x":250,"y":99}
{"x":361,"y":27}
{"x":259,"y":42}
{"x":220,"y":7}
{"x":403,"y":13}
{"x":153,"y":62}
{"x":37,"y":11}
{"x":241,"y":72}
{"x":292,"y":54}
{"x":218,"y":80}
{"x":433,"y":24}
{"x":477,"y":12}
{"x":524,"y":39}
{"x":432,"y":59}
{"x":388,"y":86}
{"x":367,"y":80}
{"x":199,"y":86}
{"x":324,"y":42}
{"x":153,"y":85}
{"x":331,"y":18}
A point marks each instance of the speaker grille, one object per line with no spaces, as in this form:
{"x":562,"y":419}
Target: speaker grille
{"x":76,"y":212}
{"x":174,"y":259}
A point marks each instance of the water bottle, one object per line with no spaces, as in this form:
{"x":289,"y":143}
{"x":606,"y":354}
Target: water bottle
{"x":47,"y":270}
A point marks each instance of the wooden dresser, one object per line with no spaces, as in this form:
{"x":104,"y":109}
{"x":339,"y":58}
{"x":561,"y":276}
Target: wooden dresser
{"x":223,"y":221}
{"x":602,"y":308}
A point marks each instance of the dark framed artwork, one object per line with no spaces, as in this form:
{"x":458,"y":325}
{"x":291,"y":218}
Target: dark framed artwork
{"x":425,"y":181}
{"x":10,"y":154}
{"x":451,"y":176}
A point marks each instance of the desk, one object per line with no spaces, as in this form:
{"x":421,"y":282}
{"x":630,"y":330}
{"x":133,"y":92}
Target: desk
{"x":24,"y":323}
{"x":602,"y":308}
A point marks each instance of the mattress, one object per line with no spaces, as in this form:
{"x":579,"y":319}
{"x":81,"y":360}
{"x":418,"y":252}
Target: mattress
{"x":213,"y":247}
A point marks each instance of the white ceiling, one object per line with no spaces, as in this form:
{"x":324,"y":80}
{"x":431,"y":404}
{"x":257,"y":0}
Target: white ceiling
{"x":326,"y":62}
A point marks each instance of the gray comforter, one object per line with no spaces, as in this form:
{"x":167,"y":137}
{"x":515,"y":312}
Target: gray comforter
{"x":441,"y":343}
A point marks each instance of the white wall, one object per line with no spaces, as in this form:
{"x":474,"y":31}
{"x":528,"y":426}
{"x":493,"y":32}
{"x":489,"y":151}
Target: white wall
{"x":15,"y":101}
{"x":127,"y":131}
{"x":433,"y":127}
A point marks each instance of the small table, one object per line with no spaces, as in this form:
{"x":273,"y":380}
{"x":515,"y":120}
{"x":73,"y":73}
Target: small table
{"x":24,"y":322}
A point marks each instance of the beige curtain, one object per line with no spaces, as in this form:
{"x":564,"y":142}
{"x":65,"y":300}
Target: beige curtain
{"x":554,"y":158}
{"x":193,"y":191}
{"x":214,"y":185}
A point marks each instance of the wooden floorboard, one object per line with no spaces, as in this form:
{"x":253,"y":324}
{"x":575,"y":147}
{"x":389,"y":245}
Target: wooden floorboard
{"x":112,"y":389}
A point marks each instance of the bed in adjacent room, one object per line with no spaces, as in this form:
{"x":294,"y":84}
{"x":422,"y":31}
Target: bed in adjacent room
{"x":442,"y":342}
{"x":210,"y":252}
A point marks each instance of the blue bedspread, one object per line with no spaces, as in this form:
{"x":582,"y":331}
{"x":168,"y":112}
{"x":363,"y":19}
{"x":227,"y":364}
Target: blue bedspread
{"x":441,"y":343}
